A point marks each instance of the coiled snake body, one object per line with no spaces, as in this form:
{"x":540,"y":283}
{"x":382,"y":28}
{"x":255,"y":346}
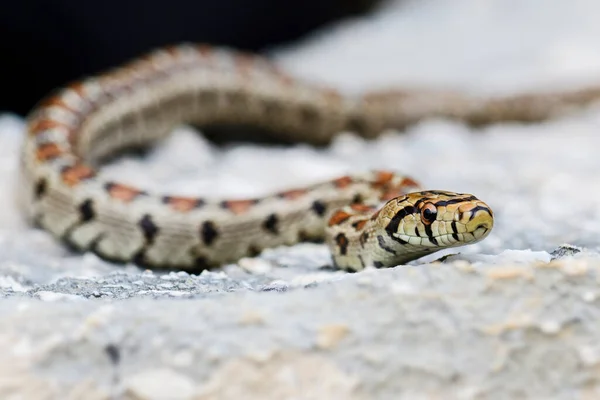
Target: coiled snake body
{"x":139,"y":103}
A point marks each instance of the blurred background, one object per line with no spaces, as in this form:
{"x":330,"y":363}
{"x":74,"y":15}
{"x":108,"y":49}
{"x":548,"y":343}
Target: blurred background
{"x":488,"y":47}
{"x":45,"y":44}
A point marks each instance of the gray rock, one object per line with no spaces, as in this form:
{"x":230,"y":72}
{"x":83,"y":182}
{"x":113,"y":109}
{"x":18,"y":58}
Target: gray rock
{"x":452,"y":331}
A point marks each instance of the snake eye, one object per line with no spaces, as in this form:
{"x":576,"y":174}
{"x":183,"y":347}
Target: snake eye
{"x":428,"y":213}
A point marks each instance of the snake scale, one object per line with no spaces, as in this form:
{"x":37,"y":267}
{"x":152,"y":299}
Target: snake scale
{"x":73,"y":130}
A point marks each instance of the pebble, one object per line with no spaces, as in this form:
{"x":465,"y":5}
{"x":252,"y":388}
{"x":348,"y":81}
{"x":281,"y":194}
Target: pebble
{"x":159,"y":384}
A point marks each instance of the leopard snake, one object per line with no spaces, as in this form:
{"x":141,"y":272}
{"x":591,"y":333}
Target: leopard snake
{"x":73,"y":130}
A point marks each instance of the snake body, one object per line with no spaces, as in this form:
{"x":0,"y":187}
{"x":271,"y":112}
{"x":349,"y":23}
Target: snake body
{"x":73,"y":130}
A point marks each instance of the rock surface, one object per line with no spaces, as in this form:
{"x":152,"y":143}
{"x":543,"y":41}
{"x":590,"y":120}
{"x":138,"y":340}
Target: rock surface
{"x":512,"y":317}
{"x":451,"y":331}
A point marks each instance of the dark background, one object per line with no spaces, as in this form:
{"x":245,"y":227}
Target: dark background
{"x":47,"y":43}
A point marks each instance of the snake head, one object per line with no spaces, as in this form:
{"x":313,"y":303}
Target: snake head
{"x":424,"y":222}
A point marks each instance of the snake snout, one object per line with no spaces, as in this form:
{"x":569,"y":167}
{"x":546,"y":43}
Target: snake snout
{"x":481,"y":220}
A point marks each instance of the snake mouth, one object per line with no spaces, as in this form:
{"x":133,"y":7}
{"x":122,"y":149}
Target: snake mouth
{"x":482,"y":227}
{"x":481,"y":230}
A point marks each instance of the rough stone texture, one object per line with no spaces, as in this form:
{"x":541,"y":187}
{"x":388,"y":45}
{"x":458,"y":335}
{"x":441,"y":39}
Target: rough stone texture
{"x":447,"y":331}
{"x":496,"y":321}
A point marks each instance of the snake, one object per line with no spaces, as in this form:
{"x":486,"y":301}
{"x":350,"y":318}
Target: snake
{"x":370,"y":219}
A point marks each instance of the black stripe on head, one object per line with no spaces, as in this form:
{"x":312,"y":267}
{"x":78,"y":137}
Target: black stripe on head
{"x":429,"y":233}
{"x":454,"y":231}
{"x":436,"y":192}
{"x":384,"y":246}
{"x":392,"y":226}
{"x":442,"y":203}
{"x":478,"y":208}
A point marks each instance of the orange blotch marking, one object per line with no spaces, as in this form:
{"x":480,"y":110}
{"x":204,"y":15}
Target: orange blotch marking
{"x":382,"y":178}
{"x":399,"y":190}
{"x":55,"y":101}
{"x":73,"y":175}
{"x":48,"y":151}
{"x":339,"y":217}
{"x":358,"y":225}
{"x":392,"y":193}
{"x":42,"y":125}
{"x":409,"y":182}
{"x":293,"y":194}
{"x":342,"y":182}
{"x":359,"y":207}
{"x":78,"y":88}
{"x":182,"y":204}
{"x":238,"y":206}
{"x":122,"y":192}
{"x":172,"y":49}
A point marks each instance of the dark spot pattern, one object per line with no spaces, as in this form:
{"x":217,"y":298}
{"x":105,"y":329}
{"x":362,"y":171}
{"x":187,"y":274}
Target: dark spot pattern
{"x":271,"y":224}
{"x":208,"y":232}
{"x":342,"y":242}
{"x":254,"y":251}
{"x":139,"y":258}
{"x":149,"y":228}
{"x":377,"y":264}
{"x":319,"y":208}
{"x":41,"y":187}
{"x":358,"y":198}
{"x":86,"y":210}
